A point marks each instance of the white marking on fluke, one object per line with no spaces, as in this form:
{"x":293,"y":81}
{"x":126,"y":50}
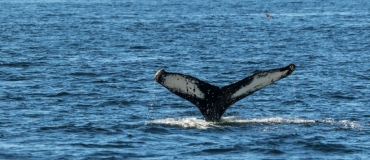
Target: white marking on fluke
{"x":183,"y":85}
{"x":259,"y":81}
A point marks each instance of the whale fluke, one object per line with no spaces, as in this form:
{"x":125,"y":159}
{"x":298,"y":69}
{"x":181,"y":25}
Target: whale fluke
{"x":211,"y":100}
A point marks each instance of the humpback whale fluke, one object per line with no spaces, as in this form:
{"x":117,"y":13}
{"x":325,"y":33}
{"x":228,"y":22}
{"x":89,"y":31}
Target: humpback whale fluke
{"x":211,"y":100}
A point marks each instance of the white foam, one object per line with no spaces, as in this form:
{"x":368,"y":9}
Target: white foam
{"x":202,"y":124}
{"x":273,"y":120}
{"x":343,"y":124}
{"x":235,"y":121}
{"x":183,"y":122}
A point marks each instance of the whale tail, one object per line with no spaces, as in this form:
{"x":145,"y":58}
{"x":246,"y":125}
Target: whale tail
{"x":211,"y":100}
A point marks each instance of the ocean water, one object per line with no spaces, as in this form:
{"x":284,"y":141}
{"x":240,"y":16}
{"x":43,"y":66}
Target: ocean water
{"x":76,"y":79}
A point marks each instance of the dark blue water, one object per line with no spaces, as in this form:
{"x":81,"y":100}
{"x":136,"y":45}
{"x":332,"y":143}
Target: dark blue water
{"x":76,"y":79}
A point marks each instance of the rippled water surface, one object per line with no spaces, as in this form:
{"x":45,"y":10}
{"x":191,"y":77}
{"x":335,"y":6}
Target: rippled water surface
{"x":76,"y":79}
